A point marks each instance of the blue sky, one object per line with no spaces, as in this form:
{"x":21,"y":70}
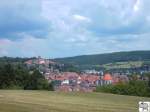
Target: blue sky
{"x":62,"y":28}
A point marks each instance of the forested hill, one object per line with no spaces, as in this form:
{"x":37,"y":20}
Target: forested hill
{"x":5,"y":60}
{"x":93,"y":59}
{"x":107,"y":58}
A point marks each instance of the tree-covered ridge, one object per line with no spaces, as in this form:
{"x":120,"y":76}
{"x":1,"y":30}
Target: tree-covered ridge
{"x":16,"y":59}
{"x":96,"y":59}
{"x":107,"y":58}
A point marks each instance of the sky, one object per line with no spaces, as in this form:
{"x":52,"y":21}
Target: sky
{"x":64,"y":28}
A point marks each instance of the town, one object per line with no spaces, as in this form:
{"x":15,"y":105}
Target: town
{"x":67,"y":81}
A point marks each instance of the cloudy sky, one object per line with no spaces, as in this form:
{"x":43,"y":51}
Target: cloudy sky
{"x":62,"y":28}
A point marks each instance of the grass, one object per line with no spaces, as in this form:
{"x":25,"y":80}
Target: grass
{"x":125,"y":65}
{"x":46,"y":101}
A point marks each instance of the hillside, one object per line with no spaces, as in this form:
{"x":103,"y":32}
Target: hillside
{"x":117,"y":60}
{"x":12,"y":60}
{"x":96,"y":59}
{"x":45,"y":101}
{"x":107,"y":58}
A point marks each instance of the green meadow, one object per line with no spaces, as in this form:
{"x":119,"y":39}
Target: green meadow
{"x":46,"y":101}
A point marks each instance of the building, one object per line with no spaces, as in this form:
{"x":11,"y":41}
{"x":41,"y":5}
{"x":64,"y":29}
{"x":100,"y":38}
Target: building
{"x":107,"y":79}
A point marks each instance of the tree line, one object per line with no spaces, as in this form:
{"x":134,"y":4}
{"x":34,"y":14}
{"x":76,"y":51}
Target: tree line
{"x":18,"y":77}
{"x":133,"y":87}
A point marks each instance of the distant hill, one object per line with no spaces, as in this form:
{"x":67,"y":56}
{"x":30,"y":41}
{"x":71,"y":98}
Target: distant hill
{"x":99,"y":59}
{"x":107,"y":61}
{"x":12,"y":60}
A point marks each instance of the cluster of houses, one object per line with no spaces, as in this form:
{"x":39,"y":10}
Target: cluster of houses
{"x":43,"y":65}
{"x":39,"y":61}
{"x":71,"y":81}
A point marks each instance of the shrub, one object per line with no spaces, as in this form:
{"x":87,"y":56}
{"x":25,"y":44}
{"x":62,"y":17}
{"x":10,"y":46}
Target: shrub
{"x":135,"y":88}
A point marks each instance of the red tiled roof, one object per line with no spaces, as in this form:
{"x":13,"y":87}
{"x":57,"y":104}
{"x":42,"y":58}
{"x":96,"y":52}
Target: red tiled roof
{"x":107,"y":77}
{"x":90,"y":78}
{"x":28,"y":62}
{"x":74,"y":76}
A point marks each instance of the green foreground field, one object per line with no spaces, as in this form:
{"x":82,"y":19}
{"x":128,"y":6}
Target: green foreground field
{"x":46,"y":101}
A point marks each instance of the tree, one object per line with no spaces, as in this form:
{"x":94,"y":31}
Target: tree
{"x":7,"y":76}
{"x":17,"y":77}
{"x":148,"y":75}
{"x":135,"y":88}
{"x":36,"y":81}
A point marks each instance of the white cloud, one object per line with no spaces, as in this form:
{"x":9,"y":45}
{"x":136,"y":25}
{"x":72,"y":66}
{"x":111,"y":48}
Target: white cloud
{"x":19,"y":16}
{"x":81,"y":18}
{"x":83,"y":27}
{"x":136,"y":5}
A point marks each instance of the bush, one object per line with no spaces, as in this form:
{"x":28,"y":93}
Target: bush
{"x":135,"y":88}
{"x":19,"y":78}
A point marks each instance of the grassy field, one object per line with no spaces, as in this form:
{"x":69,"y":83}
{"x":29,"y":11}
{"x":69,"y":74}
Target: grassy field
{"x":118,"y":65}
{"x":45,"y":101}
